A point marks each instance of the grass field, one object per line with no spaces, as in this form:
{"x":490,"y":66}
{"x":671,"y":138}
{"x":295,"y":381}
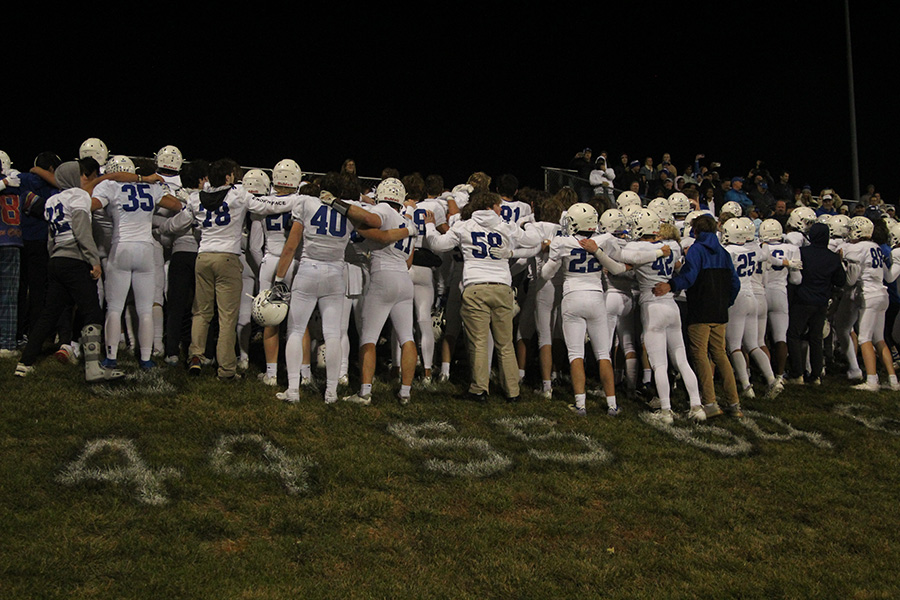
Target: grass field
{"x":175,"y":487}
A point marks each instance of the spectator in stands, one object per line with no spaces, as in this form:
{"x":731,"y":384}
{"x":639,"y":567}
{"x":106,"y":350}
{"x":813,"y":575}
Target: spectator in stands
{"x":737,"y":194}
{"x":582,"y":163}
{"x":762,"y":197}
{"x":827,"y":207}
{"x":782,"y":189}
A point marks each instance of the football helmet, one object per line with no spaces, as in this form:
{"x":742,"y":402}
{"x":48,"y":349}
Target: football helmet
{"x":688,"y":220}
{"x":287,"y":174}
{"x":268,"y":312}
{"x":861,"y":228}
{"x":582,"y":218}
{"x":770,"y":230}
{"x":733,"y":232}
{"x":437,"y":322}
{"x":663,"y":209}
{"x":628,"y":198}
{"x":680,"y":204}
{"x":732,"y":207}
{"x":644,"y":222}
{"x":390,"y":190}
{"x":802,"y":218}
{"x":839,"y":226}
{"x":96,"y":149}
{"x":749,"y":228}
{"x":120,"y":164}
{"x":823,"y":219}
{"x":256,"y":181}
{"x":5,"y":162}
{"x":894,"y":235}
{"x":613,"y":221}
{"x":169,"y":157}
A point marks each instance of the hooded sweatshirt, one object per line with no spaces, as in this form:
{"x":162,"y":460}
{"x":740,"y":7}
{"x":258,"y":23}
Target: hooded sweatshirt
{"x":822,"y":270}
{"x":710,"y":281}
{"x":475,"y":237}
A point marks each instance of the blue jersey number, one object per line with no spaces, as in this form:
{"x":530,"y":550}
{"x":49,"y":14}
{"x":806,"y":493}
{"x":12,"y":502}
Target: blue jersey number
{"x":280,"y":222}
{"x":329,"y":222}
{"x":139,"y":198}
{"x":583,"y":262}
{"x":746,"y":264}
{"x":482,"y":240}
{"x":663,"y":265}
{"x":220,"y":216}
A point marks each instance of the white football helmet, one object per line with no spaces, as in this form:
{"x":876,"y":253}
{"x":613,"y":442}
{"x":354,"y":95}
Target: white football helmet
{"x":802,"y":218}
{"x":582,"y":218}
{"x":169,"y":157}
{"x":437,"y":323}
{"x":391,"y":190}
{"x":120,"y":164}
{"x":644,"y":222}
{"x":861,"y":228}
{"x":749,"y":228}
{"x":613,"y":221}
{"x":96,"y":149}
{"x":256,"y":181}
{"x":732,"y":207}
{"x":839,"y":226}
{"x":894,"y":235}
{"x":733,"y":232}
{"x":680,"y":204}
{"x":662,"y":208}
{"x":628,"y":198}
{"x":287,"y":174}
{"x":688,"y":221}
{"x":267,"y":312}
{"x":823,"y":219}
{"x":770,"y":230}
{"x":5,"y":162}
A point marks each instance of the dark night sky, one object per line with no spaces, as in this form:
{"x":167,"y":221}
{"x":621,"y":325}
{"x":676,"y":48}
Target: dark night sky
{"x":455,"y":89}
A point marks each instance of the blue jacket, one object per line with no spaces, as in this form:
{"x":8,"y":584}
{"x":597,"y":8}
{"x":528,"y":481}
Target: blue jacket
{"x":709,"y":280}
{"x":741,"y":197}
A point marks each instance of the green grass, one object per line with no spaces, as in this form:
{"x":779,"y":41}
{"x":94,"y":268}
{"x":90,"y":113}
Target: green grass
{"x":319,"y":501}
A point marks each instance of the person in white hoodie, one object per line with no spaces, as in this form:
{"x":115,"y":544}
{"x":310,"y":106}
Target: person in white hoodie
{"x":488,"y":300}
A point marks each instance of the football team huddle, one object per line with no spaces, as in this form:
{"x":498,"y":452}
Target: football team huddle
{"x":187,"y":263}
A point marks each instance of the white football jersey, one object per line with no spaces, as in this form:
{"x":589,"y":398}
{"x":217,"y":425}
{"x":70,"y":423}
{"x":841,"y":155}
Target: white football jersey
{"x":326,"y":232}
{"x":58,"y":213}
{"x":417,"y":215}
{"x":276,"y":226}
{"x":512,"y":211}
{"x":130,"y":206}
{"x":650,"y":272}
{"x":581,"y":269}
{"x":390,"y":257}
{"x":744,"y":260}
{"x":873,"y":266}
{"x":777,"y":274}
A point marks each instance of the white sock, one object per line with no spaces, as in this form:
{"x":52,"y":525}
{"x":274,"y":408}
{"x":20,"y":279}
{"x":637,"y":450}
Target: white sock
{"x":404,"y":391}
{"x":365,"y":389}
{"x":579,"y":400}
{"x":272,"y":369}
{"x":611,"y":402}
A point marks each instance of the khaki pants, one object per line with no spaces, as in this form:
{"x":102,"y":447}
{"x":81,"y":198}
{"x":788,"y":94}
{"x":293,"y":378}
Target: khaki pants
{"x":487,"y":308}
{"x":707,"y":341}
{"x":218,"y":287}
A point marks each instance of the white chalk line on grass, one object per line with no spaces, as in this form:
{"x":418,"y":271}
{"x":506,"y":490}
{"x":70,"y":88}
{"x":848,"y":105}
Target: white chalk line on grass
{"x":148,"y":482}
{"x":293,"y":471}
{"x":876,"y":422}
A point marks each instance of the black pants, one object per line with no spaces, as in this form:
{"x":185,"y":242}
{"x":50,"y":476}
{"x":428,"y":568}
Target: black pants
{"x":179,"y":300}
{"x":69,"y":282}
{"x":805,"y":322}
